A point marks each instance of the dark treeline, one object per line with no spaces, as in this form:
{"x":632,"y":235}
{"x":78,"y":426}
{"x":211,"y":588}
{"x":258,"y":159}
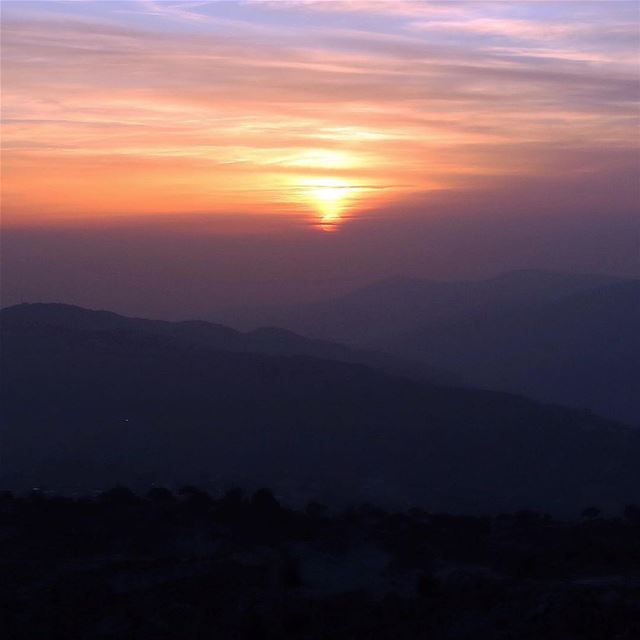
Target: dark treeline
{"x":187,"y":565}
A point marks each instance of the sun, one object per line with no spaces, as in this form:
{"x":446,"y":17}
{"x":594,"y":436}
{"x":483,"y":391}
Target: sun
{"x":331,"y":197}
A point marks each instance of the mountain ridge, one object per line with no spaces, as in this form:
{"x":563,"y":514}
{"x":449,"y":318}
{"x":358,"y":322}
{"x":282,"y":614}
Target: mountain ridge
{"x":83,"y":409}
{"x":267,"y":340}
{"x":369,"y":315}
{"x":580,"y":350}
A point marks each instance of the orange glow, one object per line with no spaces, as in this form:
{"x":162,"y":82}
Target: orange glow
{"x":141,"y":108}
{"x":331,"y":197}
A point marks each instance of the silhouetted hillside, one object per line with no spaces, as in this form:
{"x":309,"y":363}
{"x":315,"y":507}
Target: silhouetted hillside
{"x":581,"y":350}
{"x":266,"y":340}
{"x":85,"y":408}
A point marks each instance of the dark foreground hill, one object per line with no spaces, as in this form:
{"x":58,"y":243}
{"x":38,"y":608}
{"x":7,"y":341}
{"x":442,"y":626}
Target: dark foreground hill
{"x":189,"y":567}
{"x":82,"y":409}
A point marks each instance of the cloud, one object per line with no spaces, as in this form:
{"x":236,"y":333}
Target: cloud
{"x":206,"y":105}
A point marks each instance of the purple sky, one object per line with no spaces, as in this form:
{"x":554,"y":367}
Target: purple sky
{"x":177,"y":158}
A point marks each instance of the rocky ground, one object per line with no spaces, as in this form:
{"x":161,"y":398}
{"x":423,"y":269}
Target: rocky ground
{"x":190,"y":566}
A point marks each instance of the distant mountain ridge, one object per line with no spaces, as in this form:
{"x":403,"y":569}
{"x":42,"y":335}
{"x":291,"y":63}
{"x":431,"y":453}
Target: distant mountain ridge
{"x":581,"y":350}
{"x":564,"y":338}
{"x":371,"y":315}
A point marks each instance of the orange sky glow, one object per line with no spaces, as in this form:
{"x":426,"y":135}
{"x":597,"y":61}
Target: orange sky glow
{"x":316,"y":110}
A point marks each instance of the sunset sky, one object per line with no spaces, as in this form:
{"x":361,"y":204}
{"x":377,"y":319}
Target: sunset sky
{"x":177,"y":158}
{"x":320,"y":111}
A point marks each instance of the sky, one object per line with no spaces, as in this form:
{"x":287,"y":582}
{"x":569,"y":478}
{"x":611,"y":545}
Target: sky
{"x":268,"y":150}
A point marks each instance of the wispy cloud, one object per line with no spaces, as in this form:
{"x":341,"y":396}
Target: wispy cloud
{"x":208,"y":106}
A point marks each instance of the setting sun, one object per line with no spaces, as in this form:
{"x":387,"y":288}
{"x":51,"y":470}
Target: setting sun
{"x":330,"y":197}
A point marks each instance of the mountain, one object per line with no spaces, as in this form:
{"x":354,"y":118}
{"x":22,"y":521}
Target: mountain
{"x":266,"y":340}
{"x":565,"y":338}
{"x":581,"y":350}
{"x":84,"y":407}
{"x":372,"y":315}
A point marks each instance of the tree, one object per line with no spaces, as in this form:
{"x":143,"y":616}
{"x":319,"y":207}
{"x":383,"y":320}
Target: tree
{"x":264,"y":500}
{"x":160,"y":495}
{"x":591,"y":513}
{"x":119,"y":496}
